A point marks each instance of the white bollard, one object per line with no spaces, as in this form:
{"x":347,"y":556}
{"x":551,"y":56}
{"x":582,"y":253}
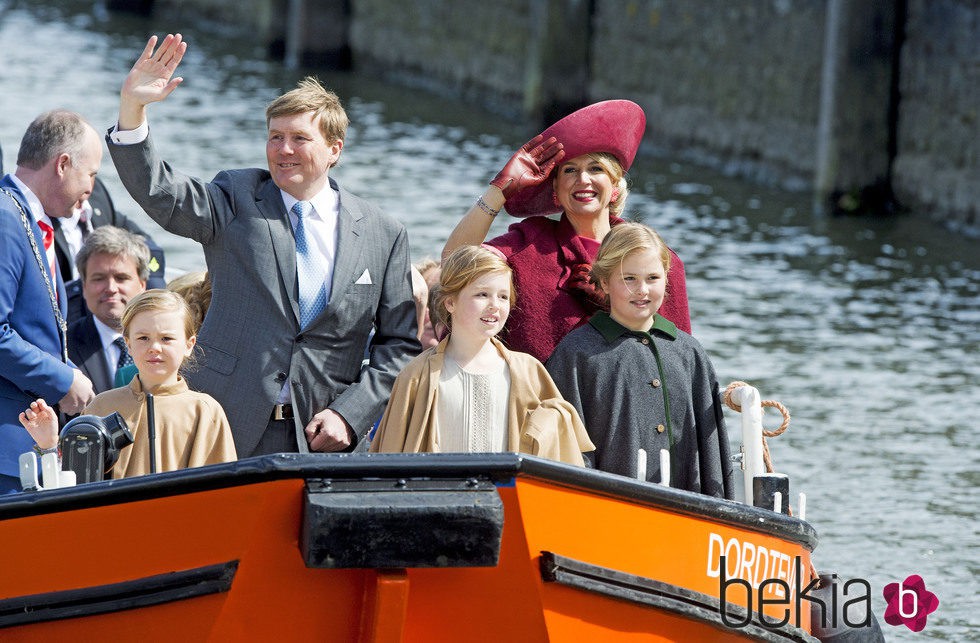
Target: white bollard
{"x":777,"y":502}
{"x":749,"y":399}
{"x":665,"y":467}
{"x":801,"y":510}
{"x":641,"y":464}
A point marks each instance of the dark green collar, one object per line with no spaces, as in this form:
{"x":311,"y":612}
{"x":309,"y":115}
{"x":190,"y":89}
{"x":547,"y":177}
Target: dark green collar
{"x":610,"y":329}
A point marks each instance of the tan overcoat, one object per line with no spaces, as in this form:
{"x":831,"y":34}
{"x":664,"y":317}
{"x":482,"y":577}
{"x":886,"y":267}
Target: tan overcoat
{"x":191,"y":428}
{"x":540,"y":421}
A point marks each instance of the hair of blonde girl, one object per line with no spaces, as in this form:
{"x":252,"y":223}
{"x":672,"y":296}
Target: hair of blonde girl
{"x":426,"y":265}
{"x":186,"y":281}
{"x":459,"y":269}
{"x":195,"y":288}
{"x":159,"y":300}
{"x":620,"y":242}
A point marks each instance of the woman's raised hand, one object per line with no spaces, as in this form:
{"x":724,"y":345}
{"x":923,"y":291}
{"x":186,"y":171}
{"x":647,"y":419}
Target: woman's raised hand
{"x":530,"y":165}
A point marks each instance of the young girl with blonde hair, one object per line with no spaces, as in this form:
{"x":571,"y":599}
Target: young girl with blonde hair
{"x":638,"y":381}
{"x":469,"y":393}
{"x":191,"y":427}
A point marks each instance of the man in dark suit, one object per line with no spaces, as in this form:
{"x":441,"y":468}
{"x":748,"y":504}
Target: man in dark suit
{"x":59,"y":157}
{"x":113,"y":264}
{"x":69,"y":234}
{"x":302,"y":271}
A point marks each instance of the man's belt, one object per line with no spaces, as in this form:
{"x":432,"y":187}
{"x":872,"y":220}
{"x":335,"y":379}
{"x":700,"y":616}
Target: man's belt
{"x":282,"y":412}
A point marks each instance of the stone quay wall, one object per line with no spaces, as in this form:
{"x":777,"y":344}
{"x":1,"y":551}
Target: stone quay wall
{"x":470,"y":49}
{"x":733,"y":84}
{"x":937,"y":166}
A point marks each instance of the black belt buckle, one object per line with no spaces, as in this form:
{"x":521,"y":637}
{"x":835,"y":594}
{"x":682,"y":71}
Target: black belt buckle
{"x":282,"y":412}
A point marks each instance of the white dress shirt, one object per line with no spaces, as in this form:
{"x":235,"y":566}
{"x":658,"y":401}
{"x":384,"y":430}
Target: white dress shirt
{"x":321,"y":224}
{"x":129,"y":136}
{"x":37,"y":211}
{"x":72,"y":229}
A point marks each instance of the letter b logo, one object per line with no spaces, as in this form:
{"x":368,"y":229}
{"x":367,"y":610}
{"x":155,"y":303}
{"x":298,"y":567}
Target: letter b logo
{"x":909,"y":603}
{"x":903,"y":595}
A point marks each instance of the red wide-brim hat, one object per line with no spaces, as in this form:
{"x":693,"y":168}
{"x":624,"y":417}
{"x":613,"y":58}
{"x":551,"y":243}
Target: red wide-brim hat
{"x":613,"y":126}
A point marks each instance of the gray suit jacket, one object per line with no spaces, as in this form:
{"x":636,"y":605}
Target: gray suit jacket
{"x":251,"y":342}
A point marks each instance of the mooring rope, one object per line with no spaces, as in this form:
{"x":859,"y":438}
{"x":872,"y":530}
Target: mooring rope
{"x":727,"y":396}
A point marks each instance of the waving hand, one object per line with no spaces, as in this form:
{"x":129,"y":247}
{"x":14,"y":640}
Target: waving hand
{"x":151,"y":79}
{"x":530,"y":165}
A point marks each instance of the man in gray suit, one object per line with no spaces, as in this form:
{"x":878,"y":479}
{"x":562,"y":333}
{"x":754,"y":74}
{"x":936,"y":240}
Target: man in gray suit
{"x":301,"y":270}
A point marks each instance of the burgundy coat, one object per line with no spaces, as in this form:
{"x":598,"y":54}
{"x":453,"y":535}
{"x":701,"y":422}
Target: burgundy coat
{"x":546,"y":256}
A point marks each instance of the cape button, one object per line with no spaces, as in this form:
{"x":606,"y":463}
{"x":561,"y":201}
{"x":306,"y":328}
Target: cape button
{"x":655,"y":383}
{"x":661,"y":428}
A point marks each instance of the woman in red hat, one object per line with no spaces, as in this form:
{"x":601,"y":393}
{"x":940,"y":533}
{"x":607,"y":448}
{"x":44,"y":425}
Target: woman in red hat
{"x":576,"y":167}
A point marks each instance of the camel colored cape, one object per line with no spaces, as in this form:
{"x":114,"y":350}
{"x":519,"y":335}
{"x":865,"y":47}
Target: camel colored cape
{"x":191,"y":428}
{"x":540,"y":421}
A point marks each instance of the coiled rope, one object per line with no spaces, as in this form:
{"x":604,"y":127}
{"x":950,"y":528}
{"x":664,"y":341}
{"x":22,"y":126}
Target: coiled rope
{"x":727,"y":396}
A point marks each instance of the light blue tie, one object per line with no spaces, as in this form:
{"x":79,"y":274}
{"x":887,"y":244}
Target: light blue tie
{"x":310,"y":273}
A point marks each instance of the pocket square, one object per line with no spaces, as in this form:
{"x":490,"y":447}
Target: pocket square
{"x":365,"y":278}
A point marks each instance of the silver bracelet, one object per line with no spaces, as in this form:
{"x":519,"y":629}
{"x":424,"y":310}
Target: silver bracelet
{"x":480,"y":203}
{"x":38,"y":450}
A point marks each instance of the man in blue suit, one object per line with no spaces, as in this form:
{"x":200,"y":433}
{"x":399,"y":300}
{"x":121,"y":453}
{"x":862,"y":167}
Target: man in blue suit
{"x":59,"y":157}
{"x":100,"y":210}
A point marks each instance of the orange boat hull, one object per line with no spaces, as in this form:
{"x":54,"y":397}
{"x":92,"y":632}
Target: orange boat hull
{"x":223,"y":554}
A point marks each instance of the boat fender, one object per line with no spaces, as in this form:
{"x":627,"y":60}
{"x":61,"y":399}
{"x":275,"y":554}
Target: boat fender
{"x":404,"y":522}
{"x":834,"y":619}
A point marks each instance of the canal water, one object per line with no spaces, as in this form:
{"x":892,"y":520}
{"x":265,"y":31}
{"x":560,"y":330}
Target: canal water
{"x":866,"y":329}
